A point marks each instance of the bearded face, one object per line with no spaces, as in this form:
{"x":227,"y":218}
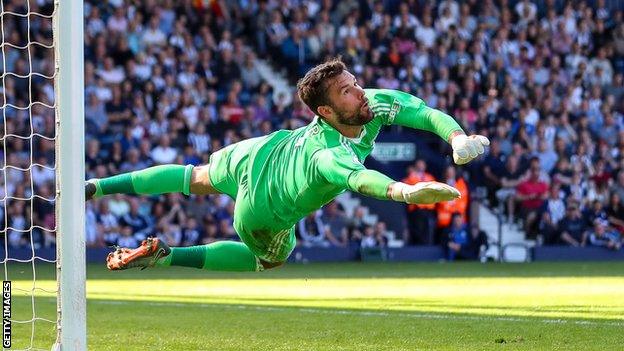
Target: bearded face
{"x":355,"y":117}
{"x":348,"y":102}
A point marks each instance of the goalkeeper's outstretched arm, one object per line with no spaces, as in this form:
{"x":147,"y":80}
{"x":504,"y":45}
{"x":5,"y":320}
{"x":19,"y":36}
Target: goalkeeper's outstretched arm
{"x":374,"y":184}
{"x":410,"y":111}
{"x":337,"y":166}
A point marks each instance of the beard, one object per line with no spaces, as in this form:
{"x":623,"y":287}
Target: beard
{"x":359,"y":117}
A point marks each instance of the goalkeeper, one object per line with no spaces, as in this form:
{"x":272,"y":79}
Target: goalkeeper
{"x":278,"y":179}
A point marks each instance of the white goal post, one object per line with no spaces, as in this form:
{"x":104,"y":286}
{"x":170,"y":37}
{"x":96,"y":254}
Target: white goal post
{"x":68,"y":24}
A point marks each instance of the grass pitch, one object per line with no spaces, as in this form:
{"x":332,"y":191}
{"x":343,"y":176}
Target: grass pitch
{"x":355,"y":306}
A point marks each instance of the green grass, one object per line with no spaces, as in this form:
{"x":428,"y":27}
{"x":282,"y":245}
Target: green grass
{"x":461,"y":306}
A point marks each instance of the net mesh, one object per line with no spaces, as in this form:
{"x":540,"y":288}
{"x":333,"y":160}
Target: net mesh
{"x":28,"y":189}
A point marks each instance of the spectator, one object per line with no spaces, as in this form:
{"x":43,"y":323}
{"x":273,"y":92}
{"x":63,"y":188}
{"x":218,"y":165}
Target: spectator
{"x":531,"y":194}
{"x":192,"y":233}
{"x":335,"y":224}
{"x":140,"y":224}
{"x":554,"y":204}
{"x":494,"y":170}
{"x":127,"y":238}
{"x":357,"y":225}
{"x":460,"y":205}
{"x":312,"y":230}
{"x":374,"y":237}
{"x":421,"y":219}
{"x":615,"y":212}
{"x":572,"y":228}
{"x":458,"y":239}
{"x":109,"y":224}
{"x":163,"y":153}
{"x":510,"y":179}
{"x":549,"y":231}
{"x":594,"y":212}
{"x":602,"y":236}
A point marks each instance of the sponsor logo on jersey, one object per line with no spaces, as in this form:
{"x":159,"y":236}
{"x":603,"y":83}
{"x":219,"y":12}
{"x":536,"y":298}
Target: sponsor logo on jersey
{"x":394,"y":109}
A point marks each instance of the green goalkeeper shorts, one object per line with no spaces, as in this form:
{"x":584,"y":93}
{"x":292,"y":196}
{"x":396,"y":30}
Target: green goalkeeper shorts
{"x":227,"y":170}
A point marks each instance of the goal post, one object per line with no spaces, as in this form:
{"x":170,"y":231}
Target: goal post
{"x":68,"y":29}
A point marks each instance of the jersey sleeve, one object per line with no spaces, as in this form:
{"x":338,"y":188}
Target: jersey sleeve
{"x":337,"y":164}
{"x":341,"y":168}
{"x":397,"y":107}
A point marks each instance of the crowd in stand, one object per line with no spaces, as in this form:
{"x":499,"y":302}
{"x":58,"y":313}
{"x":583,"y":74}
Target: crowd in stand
{"x":174,"y":81}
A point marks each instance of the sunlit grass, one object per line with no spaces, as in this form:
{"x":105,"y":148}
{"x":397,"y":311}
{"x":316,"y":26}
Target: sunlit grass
{"x":356,"y":306}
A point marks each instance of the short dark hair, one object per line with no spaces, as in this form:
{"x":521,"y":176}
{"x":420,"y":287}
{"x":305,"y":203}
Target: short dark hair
{"x":312,"y":88}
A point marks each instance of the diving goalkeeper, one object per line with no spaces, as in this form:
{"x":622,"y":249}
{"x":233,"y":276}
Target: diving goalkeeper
{"x":279,"y":178}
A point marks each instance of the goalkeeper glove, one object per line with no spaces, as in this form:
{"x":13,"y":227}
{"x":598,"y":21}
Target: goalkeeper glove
{"x":423,"y":192}
{"x":467,"y":148}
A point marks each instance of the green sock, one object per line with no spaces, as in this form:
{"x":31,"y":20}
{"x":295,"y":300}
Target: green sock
{"x":227,"y":256}
{"x":150,"y":181}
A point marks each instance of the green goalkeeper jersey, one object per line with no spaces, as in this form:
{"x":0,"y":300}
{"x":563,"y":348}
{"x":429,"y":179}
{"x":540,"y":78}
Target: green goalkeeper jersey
{"x":291,"y":173}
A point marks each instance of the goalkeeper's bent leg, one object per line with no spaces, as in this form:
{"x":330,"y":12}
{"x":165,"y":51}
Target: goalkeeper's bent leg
{"x":156,"y":180}
{"x":227,"y":256}
{"x":149,"y":181}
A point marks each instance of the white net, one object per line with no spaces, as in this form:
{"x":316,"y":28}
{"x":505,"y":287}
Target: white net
{"x":28,"y":185}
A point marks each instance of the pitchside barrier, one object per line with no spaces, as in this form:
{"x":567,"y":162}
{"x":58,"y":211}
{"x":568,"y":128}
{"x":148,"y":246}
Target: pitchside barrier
{"x":404,"y":254}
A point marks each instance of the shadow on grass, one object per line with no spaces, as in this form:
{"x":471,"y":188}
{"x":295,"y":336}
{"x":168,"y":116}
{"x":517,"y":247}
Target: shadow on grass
{"x":394,"y":302}
{"x":129,"y":324}
{"x":180,"y":307}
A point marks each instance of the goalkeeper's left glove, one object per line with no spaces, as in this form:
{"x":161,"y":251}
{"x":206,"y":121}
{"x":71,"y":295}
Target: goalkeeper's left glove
{"x":423,"y":192}
{"x":467,"y":148}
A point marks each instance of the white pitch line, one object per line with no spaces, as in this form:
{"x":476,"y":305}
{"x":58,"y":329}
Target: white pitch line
{"x":363,"y":313}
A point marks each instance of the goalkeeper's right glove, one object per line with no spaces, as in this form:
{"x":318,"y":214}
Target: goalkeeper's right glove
{"x":467,"y":148}
{"x":423,"y":192}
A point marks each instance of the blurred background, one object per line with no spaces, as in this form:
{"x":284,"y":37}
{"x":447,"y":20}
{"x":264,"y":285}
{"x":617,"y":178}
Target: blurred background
{"x":174,"y":81}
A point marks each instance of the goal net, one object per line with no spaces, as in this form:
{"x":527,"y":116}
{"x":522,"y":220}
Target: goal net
{"x":42,"y":179}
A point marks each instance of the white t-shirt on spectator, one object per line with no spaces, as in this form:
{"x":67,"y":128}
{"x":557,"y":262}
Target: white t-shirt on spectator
{"x":117,"y":24}
{"x":573,"y":60}
{"x":113,"y":76}
{"x":532,"y":117}
{"x":347,"y":31}
{"x":191,"y":114}
{"x":118,"y":207}
{"x":569,"y":24}
{"x":200,"y":142}
{"x":41,"y":175}
{"x":443,"y":23}
{"x":453,"y":8}
{"x":186,"y":79}
{"x":376,"y":20}
{"x":520,"y":7}
{"x":426,"y":35}
{"x":420,"y":62}
{"x":143,"y":72}
{"x":158,"y":128}
{"x":412,"y":21}
{"x":95,"y":27}
{"x":153,"y":37}
{"x":541,"y":76}
{"x":127,"y":241}
{"x":556,"y":208}
{"x":163,"y":155}
{"x":607,"y":69}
